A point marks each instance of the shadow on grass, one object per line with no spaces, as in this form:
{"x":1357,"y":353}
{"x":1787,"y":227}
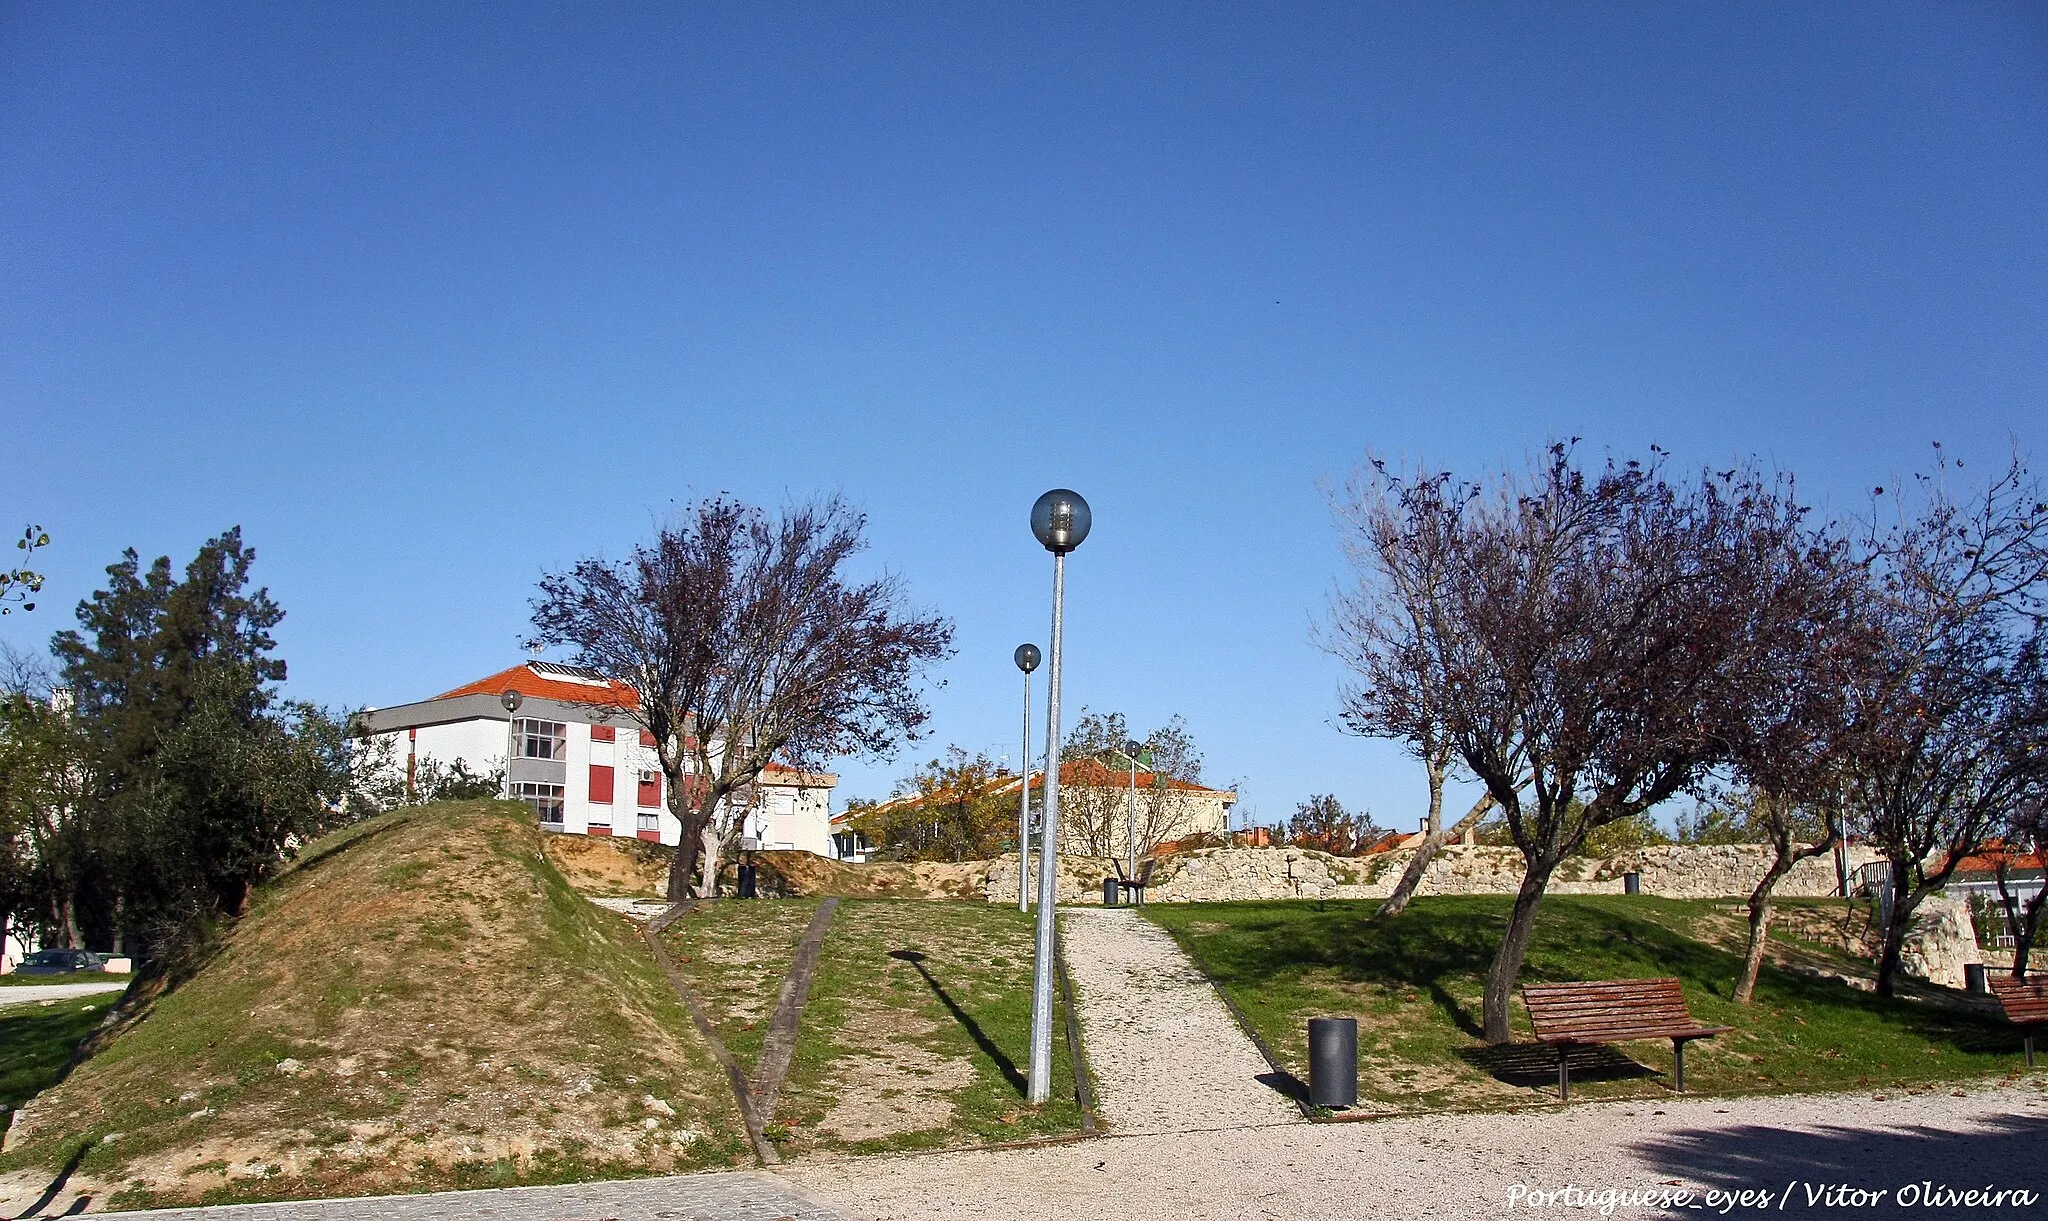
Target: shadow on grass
{"x":56,"y":1187}
{"x":2003,"y":1151}
{"x":973,"y":1028}
{"x":1534,"y":1065}
{"x":1447,"y":940}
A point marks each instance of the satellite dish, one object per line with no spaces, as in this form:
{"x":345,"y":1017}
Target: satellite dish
{"x":511,"y":700}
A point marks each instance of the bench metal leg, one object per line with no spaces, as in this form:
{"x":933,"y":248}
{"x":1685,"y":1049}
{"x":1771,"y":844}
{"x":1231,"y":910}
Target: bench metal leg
{"x":1678,"y":1065}
{"x":1564,"y":1071}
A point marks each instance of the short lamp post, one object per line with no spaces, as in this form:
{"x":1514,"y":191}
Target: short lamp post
{"x":1027,"y":661}
{"x":510,"y":701}
{"x":1060,"y":520}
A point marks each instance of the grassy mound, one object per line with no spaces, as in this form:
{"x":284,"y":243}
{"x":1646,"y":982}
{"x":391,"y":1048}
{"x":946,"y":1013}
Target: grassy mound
{"x":1414,"y":983}
{"x":422,"y":1002}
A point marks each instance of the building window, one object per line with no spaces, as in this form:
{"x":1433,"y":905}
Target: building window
{"x":546,"y":800}
{"x":600,"y":784}
{"x":650,"y":788}
{"x":542,"y":739}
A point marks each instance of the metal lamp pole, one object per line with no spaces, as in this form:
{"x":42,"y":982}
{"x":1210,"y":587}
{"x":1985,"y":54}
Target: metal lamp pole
{"x":1027,"y":661}
{"x":510,"y":701}
{"x":1060,"y":520}
{"x":1131,"y":811}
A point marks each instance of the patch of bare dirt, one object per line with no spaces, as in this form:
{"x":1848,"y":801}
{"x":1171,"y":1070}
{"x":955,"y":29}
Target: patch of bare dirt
{"x":895,"y":1085}
{"x":805,"y":875}
{"x":605,"y":865}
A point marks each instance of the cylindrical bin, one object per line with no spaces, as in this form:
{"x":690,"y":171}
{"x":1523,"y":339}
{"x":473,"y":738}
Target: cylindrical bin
{"x":1976,"y":978}
{"x":749,"y":882}
{"x":1631,"y":883}
{"x":1333,"y":1062}
{"x":1109,"y":889}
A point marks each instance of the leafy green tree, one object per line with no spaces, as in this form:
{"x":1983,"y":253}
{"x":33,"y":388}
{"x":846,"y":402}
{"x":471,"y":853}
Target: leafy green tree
{"x":956,"y":808}
{"x":1323,"y":824}
{"x":201,"y":778}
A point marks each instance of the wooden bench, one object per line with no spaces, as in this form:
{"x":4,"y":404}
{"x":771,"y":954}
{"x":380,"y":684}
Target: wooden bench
{"x":1613,"y":1011}
{"x":2025,"y":1002}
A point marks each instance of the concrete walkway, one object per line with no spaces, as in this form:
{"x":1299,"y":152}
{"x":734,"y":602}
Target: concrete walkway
{"x":22,"y":994}
{"x":1167,"y":1055}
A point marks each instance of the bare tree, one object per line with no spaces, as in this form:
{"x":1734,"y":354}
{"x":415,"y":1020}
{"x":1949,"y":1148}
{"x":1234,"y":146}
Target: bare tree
{"x":1588,"y":650}
{"x":1952,"y":725}
{"x":1400,"y":538}
{"x":746,"y":643}
{"x":1100,"y":813}
{"x":2027,"y":832}
{"x":1323,"y":824}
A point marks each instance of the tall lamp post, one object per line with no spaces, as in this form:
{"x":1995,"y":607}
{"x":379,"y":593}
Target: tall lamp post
{"x":1027,"y":661}
{"x":1060,"y":520}
{"x":1131,"y":811}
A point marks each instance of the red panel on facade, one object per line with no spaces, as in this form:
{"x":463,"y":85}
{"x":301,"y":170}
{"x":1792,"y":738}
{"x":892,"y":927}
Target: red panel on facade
{"x":603,"y":733}
{"x":597,"y":830}
{"x":647,"y":739}
{"x":652,"y":837}
{"x":650,"y":788}
{"x":600,"y":784}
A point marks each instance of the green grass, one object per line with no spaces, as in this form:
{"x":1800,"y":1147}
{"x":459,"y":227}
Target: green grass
{"x":1414,"y":983}
{"x":918,"y":1033}
{"x":75,"y":977}
{"x":36,"y":1043}
{"x":460,"y":1016}
{"x":735,"y":955}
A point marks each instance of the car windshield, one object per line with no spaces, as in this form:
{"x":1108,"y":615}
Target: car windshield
{"x":50,"y":958}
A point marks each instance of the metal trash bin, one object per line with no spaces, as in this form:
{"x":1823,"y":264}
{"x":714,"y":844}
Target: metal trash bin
{"x":1631,"y":883}
{"x":1976,"y":978}
{"x":1333,"y":1062}
{"x":749,"y":882}
{"x":1110,"y":886}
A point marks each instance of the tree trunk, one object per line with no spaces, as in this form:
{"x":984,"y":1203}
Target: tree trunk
{"x":1893,"y":954}
{"x":707,"y":881}
{"x":68,"y":919}
{"x":1411,"y":877}
{"x":1514,"y":947}
{"x":1759,"y":929}
{"x":682,"y":868}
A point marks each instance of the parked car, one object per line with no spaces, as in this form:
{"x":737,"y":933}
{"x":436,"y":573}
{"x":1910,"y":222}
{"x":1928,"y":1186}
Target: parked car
{"x":60,"y":962}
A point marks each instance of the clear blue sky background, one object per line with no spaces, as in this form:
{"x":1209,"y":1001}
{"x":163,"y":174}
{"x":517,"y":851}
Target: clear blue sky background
{"x":433,"y":298}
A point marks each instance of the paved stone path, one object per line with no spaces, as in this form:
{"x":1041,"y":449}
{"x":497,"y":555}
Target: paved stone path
{"x":1167,"y":1055}
{"x":697,"y":1197}
{"x":1451,"y":1166}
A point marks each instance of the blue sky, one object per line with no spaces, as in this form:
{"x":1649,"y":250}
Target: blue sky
{"x":432,"y":298}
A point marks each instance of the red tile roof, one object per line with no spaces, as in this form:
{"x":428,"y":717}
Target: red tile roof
{"x":524,"y":680}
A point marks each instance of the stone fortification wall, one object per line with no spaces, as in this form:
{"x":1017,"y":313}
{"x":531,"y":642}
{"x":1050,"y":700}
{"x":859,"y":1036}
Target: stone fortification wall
{"x":1220,"y":874}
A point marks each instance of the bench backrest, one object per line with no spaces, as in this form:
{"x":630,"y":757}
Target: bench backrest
{"x":2024,"y":1000}
{"x":1594,"y":1009}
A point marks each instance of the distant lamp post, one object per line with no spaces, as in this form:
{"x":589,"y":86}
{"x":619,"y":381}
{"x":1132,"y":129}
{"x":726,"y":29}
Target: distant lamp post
{"x":510,"y":701}
{"x":1131,"y":749}
{"x":1060,"y":520}
{"x":1027,"y":661}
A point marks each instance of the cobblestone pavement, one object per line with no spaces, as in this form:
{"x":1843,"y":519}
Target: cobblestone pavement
{"x":694,"y":1197}
{"x":1167,"y":1055}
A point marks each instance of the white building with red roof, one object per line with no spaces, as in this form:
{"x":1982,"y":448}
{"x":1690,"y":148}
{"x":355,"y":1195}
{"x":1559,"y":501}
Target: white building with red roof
{"x":580,"y":759}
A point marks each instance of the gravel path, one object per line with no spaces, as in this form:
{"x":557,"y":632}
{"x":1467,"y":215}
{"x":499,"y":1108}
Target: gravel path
{"x":1470,"y":1165}
{"x":1166,"y":1053}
